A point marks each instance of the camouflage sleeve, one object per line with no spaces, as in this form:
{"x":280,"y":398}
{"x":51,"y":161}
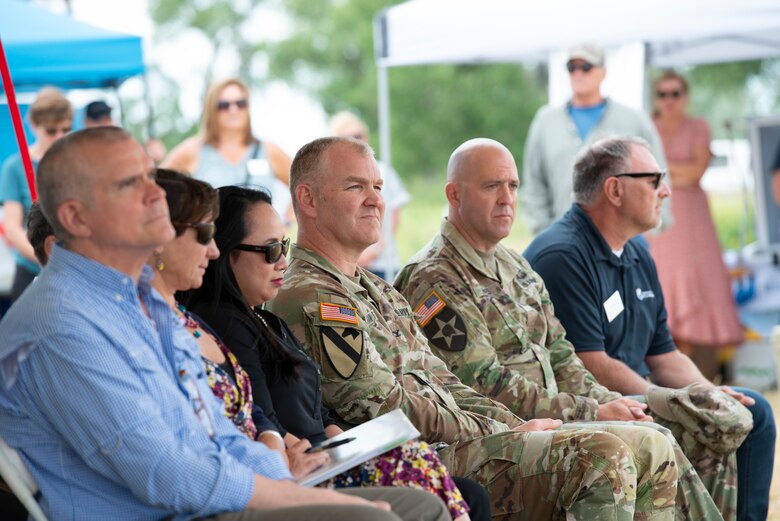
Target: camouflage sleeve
{"x":570,"y":373}
{"x":474,"y":359}
{"x":356,"y":382}
{"x":466,"y":397}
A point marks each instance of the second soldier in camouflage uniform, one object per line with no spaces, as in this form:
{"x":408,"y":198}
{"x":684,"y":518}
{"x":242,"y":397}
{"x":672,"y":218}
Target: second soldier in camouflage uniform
{"x":375,"y":359}
{"x":487,"y":314}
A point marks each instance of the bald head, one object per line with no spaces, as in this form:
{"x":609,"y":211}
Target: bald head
{"x":481,"y":190}
{"x":67,"y":169}
{"x":467,"y":157}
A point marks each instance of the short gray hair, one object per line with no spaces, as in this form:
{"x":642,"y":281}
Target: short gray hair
{"x":309,"y":162}
{"x":61,"y":172}
{"x":599,"y":161}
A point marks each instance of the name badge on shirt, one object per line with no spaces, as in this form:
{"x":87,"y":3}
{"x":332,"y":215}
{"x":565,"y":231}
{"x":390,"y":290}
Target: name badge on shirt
{"x":613,"y":306}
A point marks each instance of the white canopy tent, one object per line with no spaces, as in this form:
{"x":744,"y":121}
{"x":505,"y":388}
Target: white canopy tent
{"x":673,"y":33}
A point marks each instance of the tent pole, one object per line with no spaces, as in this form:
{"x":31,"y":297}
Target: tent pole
{"x":647,"y":95}
{"x":385,"y":153}
{"x":383,"y":93}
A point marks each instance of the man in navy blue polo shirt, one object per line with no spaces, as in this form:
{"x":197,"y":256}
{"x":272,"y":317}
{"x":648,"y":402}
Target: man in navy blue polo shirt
{"x":605,"y":289}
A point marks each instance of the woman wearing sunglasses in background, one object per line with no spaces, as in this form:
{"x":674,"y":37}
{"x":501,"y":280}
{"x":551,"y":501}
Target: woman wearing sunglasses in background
{"x":50,"y":117}
{"x":225,"y":152}
{"x":697,"y":291}
{"x":285,"y":381}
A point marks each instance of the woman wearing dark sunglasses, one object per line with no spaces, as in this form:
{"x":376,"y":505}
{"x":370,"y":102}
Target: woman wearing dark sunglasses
{"x":50,"y":117}
{"x":285,"y":381}
{"x":225,"y":150}
{"x":179,"y":266}
{"x":697,"y":290}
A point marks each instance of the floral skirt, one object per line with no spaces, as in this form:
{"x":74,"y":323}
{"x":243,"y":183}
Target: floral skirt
{"x":414,"y":464}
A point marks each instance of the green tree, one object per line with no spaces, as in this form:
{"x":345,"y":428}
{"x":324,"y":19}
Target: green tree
{"x":330,"y":53}
{"x":225,"y":23}
{"x":230,"y":27}
{"x":721,"y":92}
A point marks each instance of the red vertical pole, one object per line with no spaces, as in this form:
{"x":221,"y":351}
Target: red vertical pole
{"x":17,"y":120}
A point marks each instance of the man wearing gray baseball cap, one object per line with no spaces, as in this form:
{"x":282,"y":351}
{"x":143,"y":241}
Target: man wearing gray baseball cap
{"x":558,"y":133}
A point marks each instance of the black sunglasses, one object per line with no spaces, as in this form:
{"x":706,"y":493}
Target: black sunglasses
{"x":205,"y":231}
{"x":225,"y":105}
{"x":663,"y":94}
{"x":273,"y":251}
{"x":584,"y":67}
{"x":657,"y":175}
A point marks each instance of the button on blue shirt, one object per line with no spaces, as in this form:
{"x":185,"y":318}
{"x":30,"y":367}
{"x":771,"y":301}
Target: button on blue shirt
{"x":110,"y":409}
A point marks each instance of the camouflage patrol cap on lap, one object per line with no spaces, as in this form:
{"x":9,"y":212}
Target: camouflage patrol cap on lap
{"x":714,"y":418}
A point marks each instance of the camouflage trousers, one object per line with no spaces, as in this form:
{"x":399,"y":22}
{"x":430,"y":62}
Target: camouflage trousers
{"x":693,"y":500}
{"x":709,"y":427}
{"x":572,"y":474}
{"x":718,"y":472}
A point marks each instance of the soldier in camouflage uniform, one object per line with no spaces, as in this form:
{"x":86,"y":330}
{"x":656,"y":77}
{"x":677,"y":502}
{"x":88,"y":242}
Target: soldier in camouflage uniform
{"x":487,"y":314}
{"x":375,"y":359}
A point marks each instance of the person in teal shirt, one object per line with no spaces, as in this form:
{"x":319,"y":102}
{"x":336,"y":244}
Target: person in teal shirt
{"x":50,"y":117}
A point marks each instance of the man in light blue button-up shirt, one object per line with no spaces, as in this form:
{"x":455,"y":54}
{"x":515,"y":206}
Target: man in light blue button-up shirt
{"x":102,"y":391}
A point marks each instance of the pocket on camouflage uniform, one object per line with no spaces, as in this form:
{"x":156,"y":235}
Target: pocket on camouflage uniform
{"x":420,"y":381}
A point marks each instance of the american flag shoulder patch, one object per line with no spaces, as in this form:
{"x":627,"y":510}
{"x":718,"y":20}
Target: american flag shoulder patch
{"x":338,"y":313}
{"x":428,"y":309}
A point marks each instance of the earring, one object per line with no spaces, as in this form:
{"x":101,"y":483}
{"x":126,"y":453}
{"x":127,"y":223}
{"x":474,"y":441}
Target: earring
{"x":158,"y":262}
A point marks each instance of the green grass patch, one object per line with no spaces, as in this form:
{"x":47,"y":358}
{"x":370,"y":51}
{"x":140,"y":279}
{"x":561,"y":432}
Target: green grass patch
{"x":731,"y":217}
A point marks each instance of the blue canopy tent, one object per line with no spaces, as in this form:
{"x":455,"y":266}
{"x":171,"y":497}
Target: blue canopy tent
{"x":44,"y":48}
{"x":48,"y":49}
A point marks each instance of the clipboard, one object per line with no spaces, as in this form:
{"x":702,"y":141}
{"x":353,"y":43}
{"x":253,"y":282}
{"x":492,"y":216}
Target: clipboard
{"x":371,"y":439}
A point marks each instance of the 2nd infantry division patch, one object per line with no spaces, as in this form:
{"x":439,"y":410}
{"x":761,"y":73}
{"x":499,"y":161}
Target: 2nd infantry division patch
{"x":344,"y":347}
{"x":443,"y":327}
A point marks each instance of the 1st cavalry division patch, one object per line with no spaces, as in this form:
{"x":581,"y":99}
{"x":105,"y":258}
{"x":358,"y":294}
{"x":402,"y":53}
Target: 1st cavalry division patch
{"x":443,"y":327}
{"x":344,"y":347}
